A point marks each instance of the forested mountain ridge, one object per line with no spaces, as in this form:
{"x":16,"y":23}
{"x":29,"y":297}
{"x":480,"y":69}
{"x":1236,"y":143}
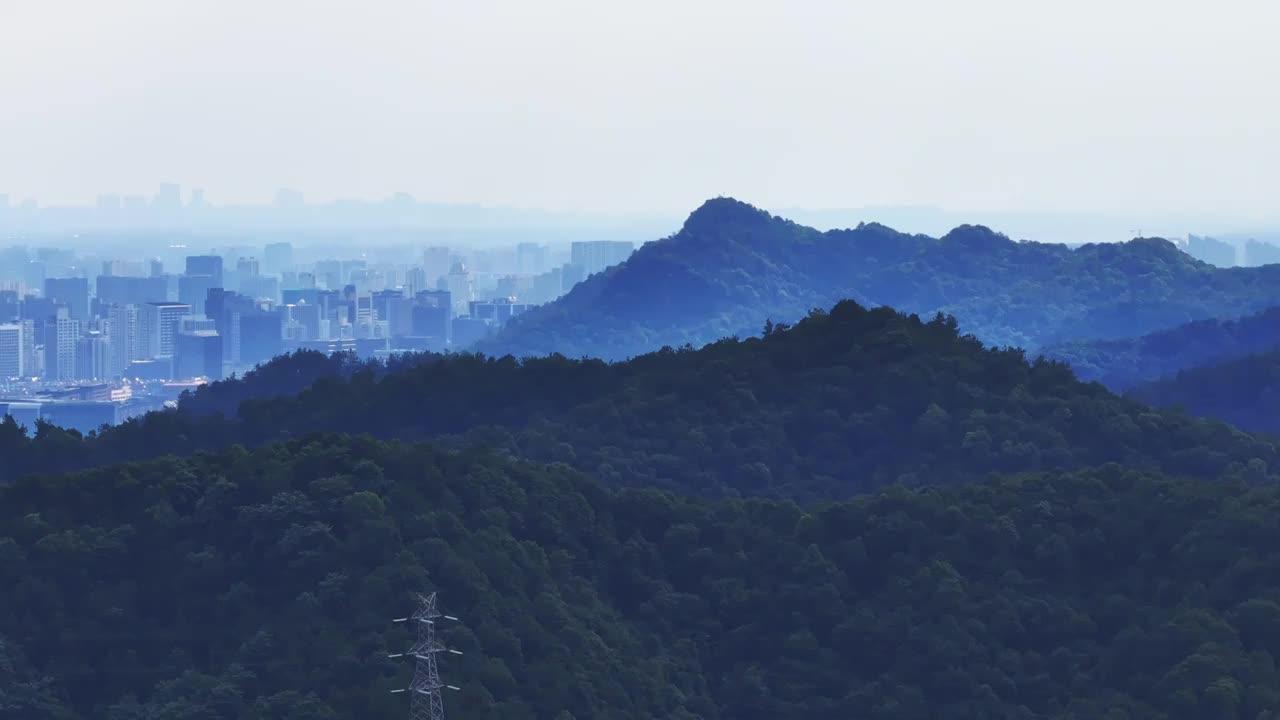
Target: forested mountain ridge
{"x":1119,"y":364}
{"x":259,"y":585}
{"x":1244,"y":391}
{"x":843,"y":402}
{"x":732,"y":266}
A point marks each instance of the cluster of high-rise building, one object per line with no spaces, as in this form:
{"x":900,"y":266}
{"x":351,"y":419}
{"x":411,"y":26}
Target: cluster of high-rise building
{"x":92,"y":332}
{"x":65,"y":321}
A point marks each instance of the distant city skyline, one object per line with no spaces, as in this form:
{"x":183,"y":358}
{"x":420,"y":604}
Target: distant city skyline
{"x":173,"y":205}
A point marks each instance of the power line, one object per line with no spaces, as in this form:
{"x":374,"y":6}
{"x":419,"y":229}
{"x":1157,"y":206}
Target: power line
{"x":426,"y":701}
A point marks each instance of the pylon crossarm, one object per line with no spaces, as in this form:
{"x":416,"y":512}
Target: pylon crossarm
{"x":426,"y":702}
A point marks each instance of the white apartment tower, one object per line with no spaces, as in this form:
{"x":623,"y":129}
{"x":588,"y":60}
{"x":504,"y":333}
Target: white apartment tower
{"x":461,"y":288}
{"x":123,"y":329}
{"x":60,"y":336}
{"x":13,"y":361}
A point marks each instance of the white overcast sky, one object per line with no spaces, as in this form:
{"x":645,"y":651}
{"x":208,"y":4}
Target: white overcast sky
{"x":648,"y":105}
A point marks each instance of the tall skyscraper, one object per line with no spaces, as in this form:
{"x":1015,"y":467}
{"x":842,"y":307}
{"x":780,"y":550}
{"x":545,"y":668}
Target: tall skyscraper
{"x":206,"y":265}
{"x":249,"y":277}
{"x":433,"y":315}
{"x":247,"y":267}
{"x":277,"y":257}
{"x":497,"y":311}
{"x":193,"y":289}
{"x":122,"y":324}
{"x":33,"y":365}
{"x":548,"y":286}
{"x":415,"y":281}
{"x":158,"y":323}
{"x":93,"y":357}
{"x":596,"y":255}
{"x":297,"y":296}
{"x":396,"y":310}
{"x":10,"y":305}
{"x":226,"y":308}
{"x":571,"y":274}
{"x":124,"y":290}
{"x":169,"y":197}
{"x":365,"y":316}
{"x":461,"y":287}
{"x":261,"y":336}
{"x":368,"y":280}
{"x":124,"y":268}
{"x":13,"y":361}
{"x":72,"y":292}
{"x":33,"y":274}
{"x":329,"y":273}
{"x":198,"y":353}
{"x":349,"y":267}
{"x":60,"y":335}
{"x":530,"y":258}
{"x":304,"y":320}
{"x":435,"y":261}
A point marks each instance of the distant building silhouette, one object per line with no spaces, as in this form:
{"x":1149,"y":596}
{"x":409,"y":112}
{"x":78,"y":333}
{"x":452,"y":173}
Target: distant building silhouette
{"x":206,"y":265}
{"x":596,"y":255}
{"x":1212,"y":251}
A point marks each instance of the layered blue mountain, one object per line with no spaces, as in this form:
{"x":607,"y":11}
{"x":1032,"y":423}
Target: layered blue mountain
{"x":732,"y":267}
{"x":1120,"y":364}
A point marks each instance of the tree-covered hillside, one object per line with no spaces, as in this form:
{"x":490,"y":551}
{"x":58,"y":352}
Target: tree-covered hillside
{"x":1123,"y":363}
{"x":1244,"y":392}
{"x":261,"y":584}
{"x":733,"y":266}
{"x":843,"y":402}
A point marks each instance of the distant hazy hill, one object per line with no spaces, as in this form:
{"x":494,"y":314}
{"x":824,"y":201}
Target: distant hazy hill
{"x":1122,"y":363}
{"x":733,"y":266}
{"x":841,"y":403}
{"x":1243,"y":391}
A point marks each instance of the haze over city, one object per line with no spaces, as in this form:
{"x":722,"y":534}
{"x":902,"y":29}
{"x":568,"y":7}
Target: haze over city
{"x":573,"y":105}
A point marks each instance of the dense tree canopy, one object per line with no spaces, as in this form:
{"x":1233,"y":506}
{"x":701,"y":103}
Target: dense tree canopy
{"x":1123,"y":363}
{"x":733,"y":266}
{"x":1244,"y":392}
{"x":260,"y":584}
{"x":841,"y":403}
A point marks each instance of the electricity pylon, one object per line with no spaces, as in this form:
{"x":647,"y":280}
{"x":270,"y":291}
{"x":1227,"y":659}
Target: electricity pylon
{"x":426,"y":701}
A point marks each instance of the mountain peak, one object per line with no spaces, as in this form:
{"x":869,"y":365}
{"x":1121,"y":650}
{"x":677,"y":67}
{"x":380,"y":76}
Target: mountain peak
{"x":1155,"y":245}
{"x":977,"y":237}
{"x":725,"y":211}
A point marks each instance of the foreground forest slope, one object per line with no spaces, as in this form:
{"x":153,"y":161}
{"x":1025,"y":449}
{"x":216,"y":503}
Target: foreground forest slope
{"x":1244,"y":391}
{"x":1120,"y":364}
{"x":732,"y":266}
{"x":261,"y":585}
{"x":844,"y":402}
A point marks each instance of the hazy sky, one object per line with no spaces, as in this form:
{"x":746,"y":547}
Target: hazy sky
{"x":651,"y":105}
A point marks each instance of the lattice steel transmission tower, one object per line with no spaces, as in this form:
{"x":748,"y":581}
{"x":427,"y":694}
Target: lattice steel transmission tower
{"x":426,"y":699}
